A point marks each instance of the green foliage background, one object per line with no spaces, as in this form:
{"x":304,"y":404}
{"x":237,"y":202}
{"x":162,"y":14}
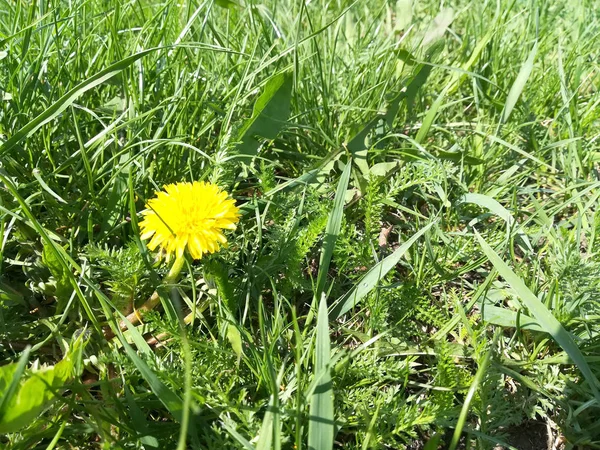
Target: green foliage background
{"x":457,"y":140}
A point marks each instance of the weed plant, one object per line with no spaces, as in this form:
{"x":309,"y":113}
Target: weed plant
{"x":416,"y":265}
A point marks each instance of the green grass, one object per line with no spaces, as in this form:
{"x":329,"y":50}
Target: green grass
{"x":417,"y":261}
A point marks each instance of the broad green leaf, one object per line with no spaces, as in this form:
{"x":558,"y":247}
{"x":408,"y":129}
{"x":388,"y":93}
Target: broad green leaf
{"x":358,"y":147}
{"x":227,"y":4}
{"x":459,"y":157}
{"x":519,"y":84}
{"x":403,"y":14}
{"x":543,"y":316}
{"x":39,"y":390}
{"x":373,"y":276}
{"x":7,"y":375}
{"x":433,"y":442}
{"x":406,"y":57}
{"x":332,"y":230}
{"x":383,"y":169}
{"x":66,"y":100}
{"x":421,"y":73}
{"x":321,"y":420}
{"x":271,"y":111}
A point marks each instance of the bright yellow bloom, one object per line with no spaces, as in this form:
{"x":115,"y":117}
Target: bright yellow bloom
{"x":191,"y":215}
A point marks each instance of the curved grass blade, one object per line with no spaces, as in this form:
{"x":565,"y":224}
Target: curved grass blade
{"x":491,"y":204}
{"x":373,"y":276}
{"x":509,"y":319}
{"x":519,"y":84}
{"x":543,"y":316}
{"x":245,"y":444}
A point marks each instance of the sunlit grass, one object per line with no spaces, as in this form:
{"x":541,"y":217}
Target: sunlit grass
{"x":416,"y":257}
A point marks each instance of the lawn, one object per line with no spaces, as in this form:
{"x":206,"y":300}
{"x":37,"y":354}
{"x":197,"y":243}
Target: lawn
{"x":408,"y":191}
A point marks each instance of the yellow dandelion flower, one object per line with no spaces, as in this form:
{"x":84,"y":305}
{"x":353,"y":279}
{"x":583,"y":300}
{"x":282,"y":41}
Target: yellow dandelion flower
{"x":188,"y":215}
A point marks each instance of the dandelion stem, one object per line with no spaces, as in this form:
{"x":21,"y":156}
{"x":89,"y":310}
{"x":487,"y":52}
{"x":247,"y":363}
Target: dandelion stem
{"x":136,"y":316}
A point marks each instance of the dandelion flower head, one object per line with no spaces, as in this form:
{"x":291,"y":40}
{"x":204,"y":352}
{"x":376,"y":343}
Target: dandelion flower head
{"x":188,"y":215}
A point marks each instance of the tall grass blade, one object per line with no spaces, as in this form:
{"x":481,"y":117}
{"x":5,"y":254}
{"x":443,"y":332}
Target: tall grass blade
{"x":373,"y":276}
{"x":453,"y":84}
{"x":334,"y":224}
{"x":462,"y":419}
{"x":321,"y":421}
{"x":265,"y":440}
{"x":543,"y":316}
{"x":67,"y":100}
{"x":519,"y":84}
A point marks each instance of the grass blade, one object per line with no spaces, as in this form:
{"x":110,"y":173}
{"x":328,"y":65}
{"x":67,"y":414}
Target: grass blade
{"x":321,"y":421}
{"x":509,"y":319}
{"x":14,"y":372}
{"x":519,"y":84}
{"x":543,"y":316}
{"x":67,"y":100}
{"x":491,"y":204}
{"x":454,"y":83}
{"x":237,"y":436}
{"x":171,"y":400}
{"x":332,"y":230}
{"x":462,"y":419}
{"x":265,"y":439}
{"x":373,"y":276}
